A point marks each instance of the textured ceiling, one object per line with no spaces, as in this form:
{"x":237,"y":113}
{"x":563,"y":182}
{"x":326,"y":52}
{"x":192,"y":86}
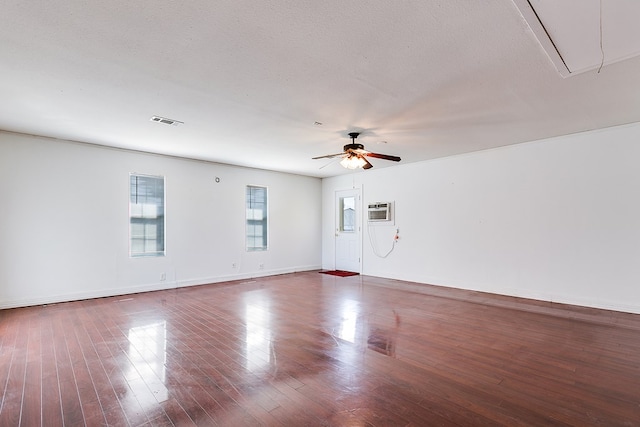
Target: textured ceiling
{"x":420,"y":79}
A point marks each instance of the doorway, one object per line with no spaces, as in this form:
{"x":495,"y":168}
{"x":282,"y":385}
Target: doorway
{"x":347,"y":225}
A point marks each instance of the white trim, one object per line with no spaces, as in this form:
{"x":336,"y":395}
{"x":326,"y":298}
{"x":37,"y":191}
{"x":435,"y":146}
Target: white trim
{"x":163,"y":253}
{"x":246,"y":220}
{"x":159,"y":286}
{"x":512,"y":292}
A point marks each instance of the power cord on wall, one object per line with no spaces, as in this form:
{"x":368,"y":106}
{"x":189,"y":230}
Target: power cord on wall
{"x":393,"y":244}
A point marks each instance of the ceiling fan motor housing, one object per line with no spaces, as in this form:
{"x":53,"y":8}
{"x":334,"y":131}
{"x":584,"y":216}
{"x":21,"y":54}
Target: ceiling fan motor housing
{"x":353,"y":147}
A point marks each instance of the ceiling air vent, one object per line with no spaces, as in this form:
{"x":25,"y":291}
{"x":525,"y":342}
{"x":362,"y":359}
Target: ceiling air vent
{"x":166,"y":121}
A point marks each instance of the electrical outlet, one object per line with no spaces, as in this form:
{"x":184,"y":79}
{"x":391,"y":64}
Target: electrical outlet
{"x":261,"y":266}
{"x":163,"y":277}
{"x":234,"y":265}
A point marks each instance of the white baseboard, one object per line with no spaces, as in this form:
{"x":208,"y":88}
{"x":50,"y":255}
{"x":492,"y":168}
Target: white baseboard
{"x":242,"y":276}
{"x":76,"y":296}
{"x":580,"y":301}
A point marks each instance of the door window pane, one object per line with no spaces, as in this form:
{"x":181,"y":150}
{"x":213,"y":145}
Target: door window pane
{"x":348,"y":214}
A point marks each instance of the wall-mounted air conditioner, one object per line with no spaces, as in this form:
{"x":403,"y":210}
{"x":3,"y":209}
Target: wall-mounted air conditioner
{"x":379,"y":212}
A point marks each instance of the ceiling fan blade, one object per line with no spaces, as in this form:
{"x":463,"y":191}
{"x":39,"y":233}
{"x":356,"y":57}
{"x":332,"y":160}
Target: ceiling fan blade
{"x":326,"y":164}
{"x":367,"y":165}
{"x":331,"y":162}
{"x":383,"y":156}
{"x":328,"y":156}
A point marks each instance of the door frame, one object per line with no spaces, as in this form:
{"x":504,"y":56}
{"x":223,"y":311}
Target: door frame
{"x":357,"y":192}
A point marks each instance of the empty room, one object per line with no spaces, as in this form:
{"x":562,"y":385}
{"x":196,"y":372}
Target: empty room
{"x":368,"y":213}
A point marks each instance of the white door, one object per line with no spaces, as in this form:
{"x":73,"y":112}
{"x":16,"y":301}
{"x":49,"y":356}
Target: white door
{"x":348,"y":230}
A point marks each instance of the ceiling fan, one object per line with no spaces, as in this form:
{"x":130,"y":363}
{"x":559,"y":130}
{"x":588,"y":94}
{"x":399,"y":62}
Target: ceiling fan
{"x":354,"y":155}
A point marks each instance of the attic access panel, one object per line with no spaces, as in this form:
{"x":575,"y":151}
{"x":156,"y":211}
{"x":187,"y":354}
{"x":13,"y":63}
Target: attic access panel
{"x":569,"y":31}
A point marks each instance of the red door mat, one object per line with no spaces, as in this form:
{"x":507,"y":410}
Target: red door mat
{"x":340,"y":273}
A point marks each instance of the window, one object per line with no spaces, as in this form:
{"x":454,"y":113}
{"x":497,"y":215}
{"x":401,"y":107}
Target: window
{"x":146,"y":215}
{"x":348,"y":214}
{"x":256,"y":218}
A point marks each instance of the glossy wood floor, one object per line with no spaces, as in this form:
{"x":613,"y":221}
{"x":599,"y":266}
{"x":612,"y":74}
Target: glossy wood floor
{"x":318,"y":350}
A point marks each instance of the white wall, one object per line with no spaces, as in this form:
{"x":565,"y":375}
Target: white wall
{"x":64,"y":222}
{"x":556,"y":220}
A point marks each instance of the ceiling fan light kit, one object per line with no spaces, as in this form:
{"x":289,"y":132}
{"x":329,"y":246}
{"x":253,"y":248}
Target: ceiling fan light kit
{"x":353,"y":155}
{"x":353,"y":162}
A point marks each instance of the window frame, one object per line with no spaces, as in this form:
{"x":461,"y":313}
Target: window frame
{"x":146,"y":254}
{"x":343,"y":223}
{"x":264,"y":222}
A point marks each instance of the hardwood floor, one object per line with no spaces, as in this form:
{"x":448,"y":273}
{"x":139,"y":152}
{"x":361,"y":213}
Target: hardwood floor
{"x":318,"y":350}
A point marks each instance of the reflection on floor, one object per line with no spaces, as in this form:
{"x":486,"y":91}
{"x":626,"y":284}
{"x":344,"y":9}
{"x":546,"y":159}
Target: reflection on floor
{"x":315,"y":349}
{"x":383,"y":339}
